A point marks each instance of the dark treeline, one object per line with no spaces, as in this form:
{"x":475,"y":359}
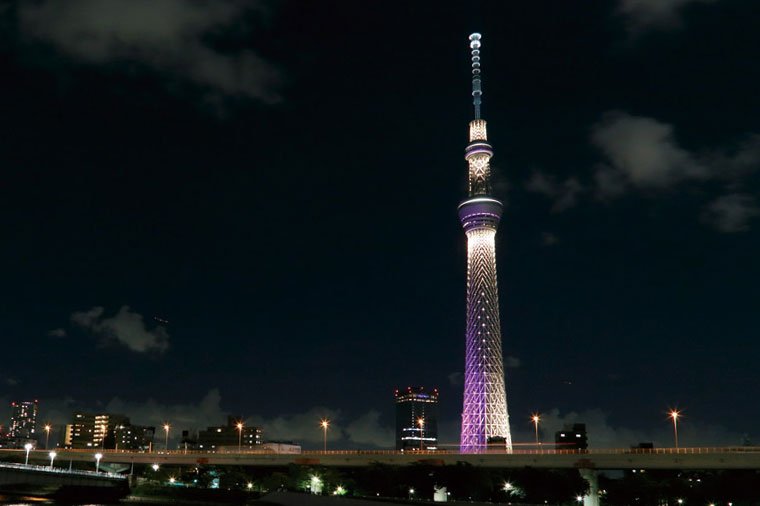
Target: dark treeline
{"x":464,"y":482}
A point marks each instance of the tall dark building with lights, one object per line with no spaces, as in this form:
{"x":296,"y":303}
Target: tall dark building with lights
{"x":416,"y":419}
{"x":23,"y":419}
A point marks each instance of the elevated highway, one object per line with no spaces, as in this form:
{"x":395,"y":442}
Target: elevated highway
{"x":660,"y":458}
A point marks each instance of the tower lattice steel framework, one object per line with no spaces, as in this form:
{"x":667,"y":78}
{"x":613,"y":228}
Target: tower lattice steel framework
{"x":484,"y":415}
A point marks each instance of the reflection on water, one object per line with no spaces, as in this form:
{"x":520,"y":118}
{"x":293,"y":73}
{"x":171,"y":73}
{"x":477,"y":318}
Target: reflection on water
{"x":23,"y":500}
{"x":35,"y":501}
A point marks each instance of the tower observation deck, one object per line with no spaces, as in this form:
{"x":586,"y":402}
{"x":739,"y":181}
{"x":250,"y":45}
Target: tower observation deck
{"x":484,"y":415}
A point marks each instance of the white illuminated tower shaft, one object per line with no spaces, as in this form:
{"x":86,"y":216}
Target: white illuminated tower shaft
{"x":484,"y":414}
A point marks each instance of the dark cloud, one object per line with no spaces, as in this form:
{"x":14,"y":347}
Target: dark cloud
{"x":171,"y":37}
{"x":549,"y":239}
{"x":511,"y":362}
{"x":646,"y":14}
{"x":206,"y":413}
{"x":731,"y":213}
{"x":304,"y":427}
{"x":367,"y":430}
{"x":57,"y":333}
{"x":564,"y":193}
{"x":641,"y":152}
{"x":126,"y":328}
{"x":456,"y":379}
{"x":603,"y":434}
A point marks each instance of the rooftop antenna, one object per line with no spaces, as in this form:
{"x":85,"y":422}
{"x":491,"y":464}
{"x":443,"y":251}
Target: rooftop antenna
{"x":476,"y":90}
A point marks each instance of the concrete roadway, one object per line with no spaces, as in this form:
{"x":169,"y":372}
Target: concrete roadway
{"x":661,"y":458}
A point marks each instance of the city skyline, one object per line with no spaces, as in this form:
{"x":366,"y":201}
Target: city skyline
{"x":184,"y":243}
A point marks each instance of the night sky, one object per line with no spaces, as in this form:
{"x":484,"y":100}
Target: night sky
{"x":278,"y":181}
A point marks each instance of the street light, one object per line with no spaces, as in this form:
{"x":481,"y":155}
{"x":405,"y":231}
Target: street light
{"x":28,"y":448}
{"x":674,"y":414}
{"x":579,"y":499}
{"x":98,"y":456}
{"x":325,"y":424}
{"x":316,"y":485}
{"x":536,"y":419}
{"x":155,"y":467}
{"x":507,"y":486}
{"x":240,"y":435}
{"x":421,"y":423}
{"x":52,"y":458}
{"x":166,"y":428}
{"x":47,"y":435}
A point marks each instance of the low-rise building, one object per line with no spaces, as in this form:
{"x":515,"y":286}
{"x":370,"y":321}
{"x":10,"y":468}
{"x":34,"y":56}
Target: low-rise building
{"x":571,"y":437}
{"x":107,"y":431}
{"x":234,"y":435}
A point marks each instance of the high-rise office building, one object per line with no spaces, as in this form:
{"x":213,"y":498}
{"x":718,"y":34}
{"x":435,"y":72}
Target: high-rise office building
{"x":23,"y":419}
{"x":416,"y":419}
{"x":229,"y":437}
{"x":484,"y":413}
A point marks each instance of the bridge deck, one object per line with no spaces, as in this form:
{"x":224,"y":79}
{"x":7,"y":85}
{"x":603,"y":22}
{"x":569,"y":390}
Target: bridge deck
{"x":660,"y":458}
{"x":15,"y":474}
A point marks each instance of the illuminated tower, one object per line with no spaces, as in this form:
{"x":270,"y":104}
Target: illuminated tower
{"x":484,"y":415}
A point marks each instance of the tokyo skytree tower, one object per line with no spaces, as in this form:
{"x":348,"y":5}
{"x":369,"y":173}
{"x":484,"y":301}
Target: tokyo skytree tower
{"x":484,"y":415}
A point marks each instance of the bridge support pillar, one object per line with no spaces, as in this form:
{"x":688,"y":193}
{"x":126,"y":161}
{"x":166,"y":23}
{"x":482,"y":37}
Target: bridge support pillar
{"x":592,"y":477}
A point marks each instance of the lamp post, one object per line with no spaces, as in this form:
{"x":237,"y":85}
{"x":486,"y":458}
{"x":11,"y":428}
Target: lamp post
{"x":28,"y":448}
{"x":98,"y":456}
{"x":166,"y":428}
{"x":316,"y":485}
{"x":674,"y":415}
{"x":240,"y":436}
{"x":47,"y":435}
{"x":421,"y":423}
{"x":536,"y":419}
{"x":52,"y":456}
{"x":325,"y":424}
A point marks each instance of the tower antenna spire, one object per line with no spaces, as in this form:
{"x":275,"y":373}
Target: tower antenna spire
{"x":475,"y":57}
